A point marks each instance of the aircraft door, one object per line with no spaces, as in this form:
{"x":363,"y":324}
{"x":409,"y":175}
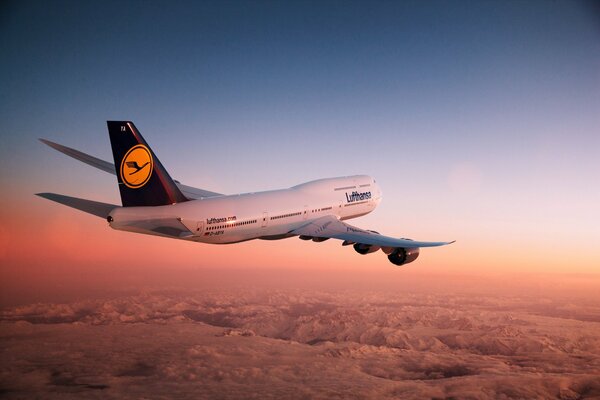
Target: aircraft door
{"x":265,"y":219}
{"x":199,"y":228}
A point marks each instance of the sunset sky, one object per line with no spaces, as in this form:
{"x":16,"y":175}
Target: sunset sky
{"x":479,"y":120}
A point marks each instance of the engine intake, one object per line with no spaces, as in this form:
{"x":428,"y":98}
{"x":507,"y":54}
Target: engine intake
{"x":365,"y":248}
{"x":401,"y":256}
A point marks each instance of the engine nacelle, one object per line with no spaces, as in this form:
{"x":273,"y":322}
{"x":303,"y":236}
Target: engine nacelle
{"x":401,"y":256}
{"x":365,"y":248}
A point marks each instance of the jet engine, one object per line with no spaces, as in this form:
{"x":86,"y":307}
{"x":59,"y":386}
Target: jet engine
{"x":401,"y":256}
{"x":365,"y":248}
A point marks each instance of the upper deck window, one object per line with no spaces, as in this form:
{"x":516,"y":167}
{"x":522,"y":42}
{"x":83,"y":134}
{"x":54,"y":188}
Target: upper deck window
{"x":345,"y":188}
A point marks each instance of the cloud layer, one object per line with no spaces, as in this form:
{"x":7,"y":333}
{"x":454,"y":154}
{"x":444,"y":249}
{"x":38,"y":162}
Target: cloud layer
{"x":299,"y":344}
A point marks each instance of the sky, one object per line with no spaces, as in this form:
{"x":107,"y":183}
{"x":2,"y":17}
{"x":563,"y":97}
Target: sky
{"x":479,"y":120}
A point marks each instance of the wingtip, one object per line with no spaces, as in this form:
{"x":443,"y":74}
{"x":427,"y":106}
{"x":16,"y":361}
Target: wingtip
{"x":48,"y":142}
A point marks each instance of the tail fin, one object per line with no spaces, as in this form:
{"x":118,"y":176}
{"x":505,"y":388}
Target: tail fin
{"x":143,"y":181}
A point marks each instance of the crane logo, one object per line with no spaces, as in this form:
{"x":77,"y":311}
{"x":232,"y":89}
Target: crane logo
{"x":136,"y":167}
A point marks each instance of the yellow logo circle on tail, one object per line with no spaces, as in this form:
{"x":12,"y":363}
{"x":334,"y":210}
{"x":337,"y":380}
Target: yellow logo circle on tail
{"x":136,"y":167}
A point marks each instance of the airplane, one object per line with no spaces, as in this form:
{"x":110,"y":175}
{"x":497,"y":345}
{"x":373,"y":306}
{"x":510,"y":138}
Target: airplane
{"x":155,"y":204}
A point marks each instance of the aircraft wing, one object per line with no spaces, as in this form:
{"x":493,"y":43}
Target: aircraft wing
{"x":188,"y":191}
{"x":329,"y":227}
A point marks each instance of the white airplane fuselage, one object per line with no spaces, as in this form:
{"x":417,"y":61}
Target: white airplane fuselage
{"x":266,"y":215}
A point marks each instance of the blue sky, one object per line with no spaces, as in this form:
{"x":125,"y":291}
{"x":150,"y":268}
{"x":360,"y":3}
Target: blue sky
{"x":480,"y":120}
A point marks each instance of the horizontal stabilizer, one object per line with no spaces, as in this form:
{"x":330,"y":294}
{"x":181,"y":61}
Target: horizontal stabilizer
{"x":189,"y":191}
{"x":86,"y":158}
{"x":169,"y":227}
{"x":91,"y":207}
{"x":195,"y":193}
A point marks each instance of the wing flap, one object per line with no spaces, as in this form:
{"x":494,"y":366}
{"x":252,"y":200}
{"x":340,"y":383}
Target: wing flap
{"x":331,"y":227}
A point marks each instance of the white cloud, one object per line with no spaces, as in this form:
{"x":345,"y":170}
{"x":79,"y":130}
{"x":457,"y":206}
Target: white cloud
{"x":296,"y":345}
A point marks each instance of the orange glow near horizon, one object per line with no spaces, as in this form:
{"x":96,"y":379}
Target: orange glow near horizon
{"x":69,"y":237}
{"x":47,"y":245}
